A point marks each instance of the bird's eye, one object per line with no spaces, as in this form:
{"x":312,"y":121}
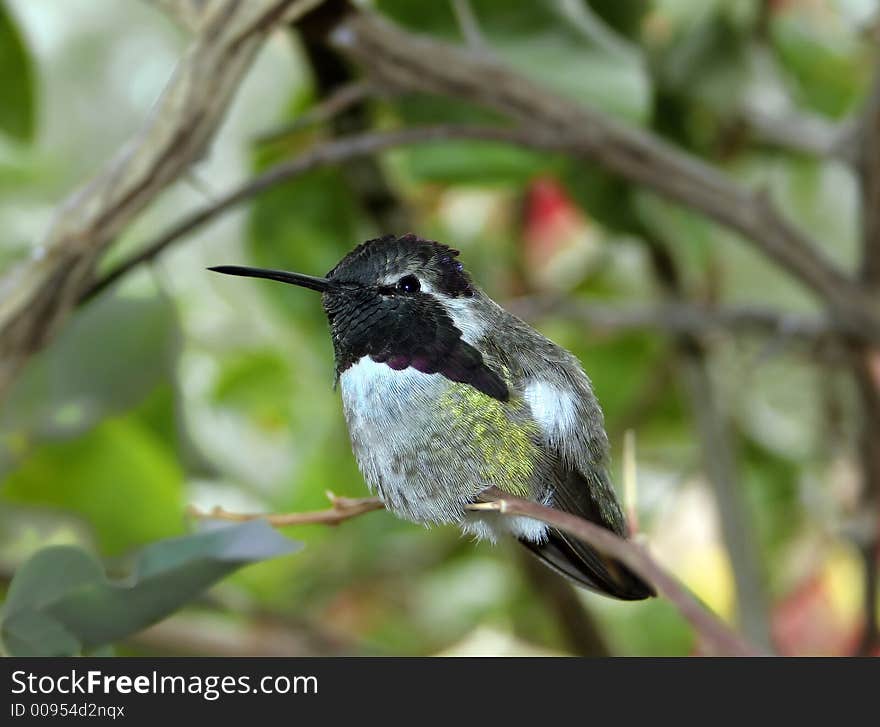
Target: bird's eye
{"x":409,"y":284}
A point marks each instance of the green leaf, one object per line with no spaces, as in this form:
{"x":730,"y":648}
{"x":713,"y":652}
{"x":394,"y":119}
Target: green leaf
{"x":829,"y":70}
{"x":80,"y":379}
{"x":122,"y":478}
{"x":538,"y":42}
{"x":474,"y":162}
{"x":605,"y":197}
{"x":623,"y":16}
{"x":60,"y":602}
{"x":17,"y":110}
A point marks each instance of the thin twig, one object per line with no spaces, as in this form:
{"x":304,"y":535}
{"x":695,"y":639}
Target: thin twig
{"x":676,"y":317}
{"x":331,"y":152}
{"x":342,"y":99}
{"x":342,"y":509}
{"x":869,"y":183}
{"x":576,"y":623}
{"x":802,"y":133}
{"x":469,"y":26}
{"x":866,"y":371}
{"x":714,"y":434}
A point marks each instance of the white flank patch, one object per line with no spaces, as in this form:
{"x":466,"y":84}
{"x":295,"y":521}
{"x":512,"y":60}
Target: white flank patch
{"x":554,"y":409}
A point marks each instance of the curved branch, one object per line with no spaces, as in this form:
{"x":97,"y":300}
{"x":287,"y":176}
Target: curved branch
{"x":39,"y":294}
{"x":634,"y":556}
{"x":713,"y":632}
{"x":676,"y":317}
{"x":331,"y":152}
{"x":401,"y":60}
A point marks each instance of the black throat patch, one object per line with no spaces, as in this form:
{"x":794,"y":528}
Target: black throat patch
{"x":405,"y":331}
{"x":408,"y":328}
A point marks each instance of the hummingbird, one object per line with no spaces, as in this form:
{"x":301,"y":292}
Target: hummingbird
{"x":446,"y":395}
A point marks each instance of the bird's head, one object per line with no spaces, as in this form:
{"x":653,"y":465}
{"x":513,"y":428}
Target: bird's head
{"x":403,"y":301}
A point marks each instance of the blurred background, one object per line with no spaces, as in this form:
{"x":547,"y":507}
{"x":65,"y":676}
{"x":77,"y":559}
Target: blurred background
{"x":179,"y":387}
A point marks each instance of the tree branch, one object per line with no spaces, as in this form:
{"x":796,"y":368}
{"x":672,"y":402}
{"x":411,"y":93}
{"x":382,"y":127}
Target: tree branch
{"x":713,"y":632}
{"x":340,"y":100}
{"x":677,"y":317}
{"x":342,"y":509}
{"x":866,"y":371}
{"x":38,"y":295}
{"x":332,"y":152}
{"x":719,"y":459}
{"x":868,"y":167}
{"x":802,"y":133}
{"x":577,"y":625}
{"x":866,"y":364}
{"x":413,"y":63}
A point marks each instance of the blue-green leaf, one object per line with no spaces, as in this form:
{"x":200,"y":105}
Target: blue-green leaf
{"x":60,"y":602}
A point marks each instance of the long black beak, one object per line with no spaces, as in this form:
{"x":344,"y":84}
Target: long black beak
{"x":304,"y":281}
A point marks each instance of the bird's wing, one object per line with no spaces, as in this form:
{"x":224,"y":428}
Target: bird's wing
{"x":562,"y":402}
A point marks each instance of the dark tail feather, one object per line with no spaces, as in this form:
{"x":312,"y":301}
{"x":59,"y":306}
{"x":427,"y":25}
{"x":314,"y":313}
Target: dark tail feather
{"x":589,"y":568}
{"x":579,"y":561}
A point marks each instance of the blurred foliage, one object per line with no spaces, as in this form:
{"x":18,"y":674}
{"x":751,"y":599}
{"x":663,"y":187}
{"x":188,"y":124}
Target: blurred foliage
{"x":61,"y":603}
{"x":180,"y":387}
{"x":17,"y":112}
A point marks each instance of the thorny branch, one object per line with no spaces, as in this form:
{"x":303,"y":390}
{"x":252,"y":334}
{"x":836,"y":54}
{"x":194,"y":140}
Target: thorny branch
{"x":715,"y":634}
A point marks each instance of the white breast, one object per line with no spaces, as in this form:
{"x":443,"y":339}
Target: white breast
{"x":378,"y":392}
{"x":385,"y":411}
{"x":393,"y":422}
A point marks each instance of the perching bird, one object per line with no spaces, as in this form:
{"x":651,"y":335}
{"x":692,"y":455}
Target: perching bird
{"x":447,"y":394}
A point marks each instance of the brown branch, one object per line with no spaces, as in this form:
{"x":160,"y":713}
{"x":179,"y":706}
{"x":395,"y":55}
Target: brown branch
{"x":340,"y":100}
{"x":37,"y":295}
{"x":719,"y":458}
{"x":802,"y":133}
{"x":331,"y":152}
{"x":676,"y":317}
{"x":866,"y":371}
{"x":714,"y":633}
{"x":398,"y":59}
{"x":342,"y":509}
{"x":866,"y":364}
{"x":364,"y":176}
{"x":575,"y":622}
{"x":869,"y":181}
